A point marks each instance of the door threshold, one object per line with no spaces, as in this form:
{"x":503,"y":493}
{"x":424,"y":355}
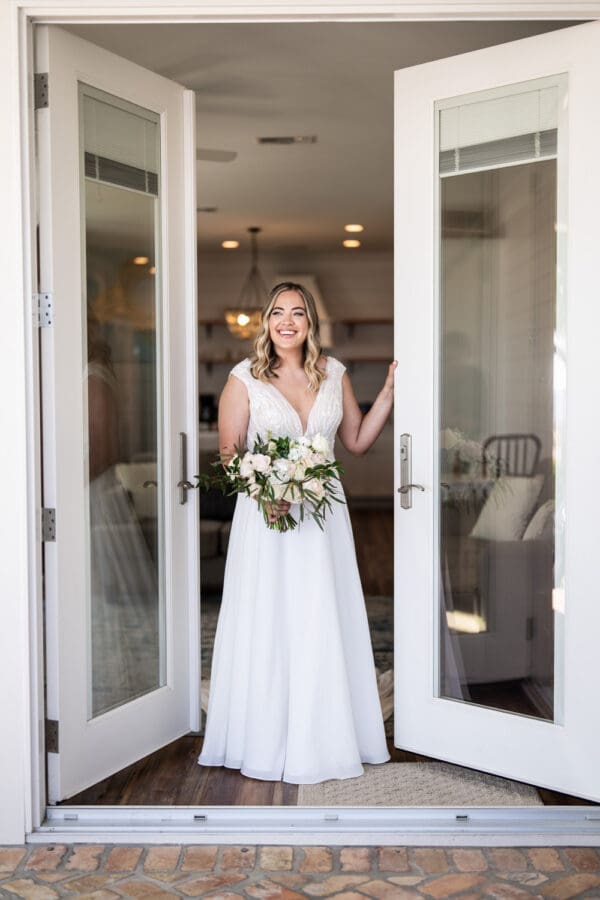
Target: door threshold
{"x":409,"y":826}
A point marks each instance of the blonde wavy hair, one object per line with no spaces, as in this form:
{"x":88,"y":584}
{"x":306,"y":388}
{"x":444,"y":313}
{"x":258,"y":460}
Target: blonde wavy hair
{"x":264,"y":358}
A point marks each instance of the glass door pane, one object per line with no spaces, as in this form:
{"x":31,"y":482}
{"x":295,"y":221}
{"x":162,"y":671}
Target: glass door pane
{"x":122,"y":388}
{"x":501,"y":399}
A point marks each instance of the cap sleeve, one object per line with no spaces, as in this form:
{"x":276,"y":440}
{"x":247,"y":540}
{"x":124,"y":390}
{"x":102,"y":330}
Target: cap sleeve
{"x":242,"y":371}
{"x":335,"y":366}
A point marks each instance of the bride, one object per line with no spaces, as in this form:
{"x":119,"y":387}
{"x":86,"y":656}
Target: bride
{"x":293,"y":690}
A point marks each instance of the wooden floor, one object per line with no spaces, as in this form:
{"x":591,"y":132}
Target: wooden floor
{"x":172,"y":777}
{"x":374,"y":539}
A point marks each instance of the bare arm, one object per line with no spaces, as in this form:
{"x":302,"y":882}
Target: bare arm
{"x":234,"y":415}
{"x":357,"y":432}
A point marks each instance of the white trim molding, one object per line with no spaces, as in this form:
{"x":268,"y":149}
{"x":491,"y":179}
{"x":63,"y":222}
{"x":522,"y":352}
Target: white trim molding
{"x":280,"y":11}
{"x":21,"y":749}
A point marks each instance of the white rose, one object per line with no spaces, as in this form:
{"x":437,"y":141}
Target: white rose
{"x":279,"y":489}
{"x":247,"y":465}
{"x":316,"y":487}
{"x":284,"y":468}
{"x":320,"y":444}
{"x":292,"y":493}
{"x":299,"y":471}
{"x":295,"y":453}
{"x":261,"y":462}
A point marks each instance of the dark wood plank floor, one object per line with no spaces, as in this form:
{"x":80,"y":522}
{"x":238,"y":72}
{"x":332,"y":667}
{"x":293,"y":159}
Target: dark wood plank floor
{"x":374,"y":539}
{"x":172,"y":777}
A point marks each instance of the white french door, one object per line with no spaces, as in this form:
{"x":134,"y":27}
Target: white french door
{"x":497,"y":619}
{"x":116,"y":153}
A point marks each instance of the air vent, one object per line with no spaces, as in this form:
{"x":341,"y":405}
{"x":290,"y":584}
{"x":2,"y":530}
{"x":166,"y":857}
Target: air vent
{"x":109,"y":171}
{"x":293,"y":139}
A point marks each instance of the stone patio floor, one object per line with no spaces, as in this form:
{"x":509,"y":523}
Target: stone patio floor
{"x":104,"y":872}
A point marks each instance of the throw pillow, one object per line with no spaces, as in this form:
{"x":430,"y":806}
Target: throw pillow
{"x":542,"y":523}
{"x":508,"y":508}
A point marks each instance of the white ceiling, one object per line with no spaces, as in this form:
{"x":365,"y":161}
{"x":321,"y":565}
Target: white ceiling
{"x":332,"y":80}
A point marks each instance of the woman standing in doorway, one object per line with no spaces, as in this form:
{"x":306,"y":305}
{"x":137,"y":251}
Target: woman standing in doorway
{"x":293,"y":691}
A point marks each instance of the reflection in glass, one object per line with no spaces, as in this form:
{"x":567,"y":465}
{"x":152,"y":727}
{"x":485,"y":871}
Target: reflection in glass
{"x":122,"y":386}
{"x":498,"y":404}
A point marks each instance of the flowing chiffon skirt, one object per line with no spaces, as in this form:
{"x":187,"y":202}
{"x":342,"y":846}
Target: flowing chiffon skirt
{"x":293,"y":691}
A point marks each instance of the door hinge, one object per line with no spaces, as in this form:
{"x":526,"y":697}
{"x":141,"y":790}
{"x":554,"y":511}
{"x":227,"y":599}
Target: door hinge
{"x":40,"y":90}
{"x":48,"y":524}
{"x":51,"y":735}
{"x":529,"y":628}
{"x":44,"y":304}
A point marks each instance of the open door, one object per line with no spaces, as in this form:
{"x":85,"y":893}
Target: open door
{"x":497,"y":321}
{"x":116,"y":151}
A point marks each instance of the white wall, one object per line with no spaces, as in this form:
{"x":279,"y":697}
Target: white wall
{"x":14,"y":678}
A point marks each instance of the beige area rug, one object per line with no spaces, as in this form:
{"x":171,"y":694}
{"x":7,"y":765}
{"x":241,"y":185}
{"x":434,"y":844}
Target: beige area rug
{"x":419,"y":784}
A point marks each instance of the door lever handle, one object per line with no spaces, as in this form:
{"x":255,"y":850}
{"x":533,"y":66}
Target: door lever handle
{"x":406,"y":483}
{"x":183,"y":484}
{"x":409,"y":487}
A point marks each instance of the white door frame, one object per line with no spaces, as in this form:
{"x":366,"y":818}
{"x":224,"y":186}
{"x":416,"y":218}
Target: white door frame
{"x":21,"y":674}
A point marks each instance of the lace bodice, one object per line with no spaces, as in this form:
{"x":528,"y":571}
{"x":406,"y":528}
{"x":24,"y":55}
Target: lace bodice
{"x":271,"y":411}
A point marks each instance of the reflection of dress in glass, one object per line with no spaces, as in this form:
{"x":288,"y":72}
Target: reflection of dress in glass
{"x":293,"y":692}
{"x":122,"y":573}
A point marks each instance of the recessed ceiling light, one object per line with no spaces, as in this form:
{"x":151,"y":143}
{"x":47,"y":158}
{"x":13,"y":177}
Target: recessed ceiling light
{"x":140,"y":260}
{"x":354,"y":228}
{"x":152,"y":270}
{"x":351,"y":243}
{"x":230,"y":245}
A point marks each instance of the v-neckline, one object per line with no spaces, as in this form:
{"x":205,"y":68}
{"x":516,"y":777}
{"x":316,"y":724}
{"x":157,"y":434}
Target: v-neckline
{"x":293,"y":408}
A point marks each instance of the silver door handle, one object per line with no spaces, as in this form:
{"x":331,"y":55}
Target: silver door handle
{"x":406,"y":483}
{"x":183,"y":484}
{"x":409,"y":487}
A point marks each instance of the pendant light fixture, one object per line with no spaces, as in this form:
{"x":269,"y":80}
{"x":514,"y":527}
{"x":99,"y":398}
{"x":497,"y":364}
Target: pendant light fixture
{"x":243,"y":320}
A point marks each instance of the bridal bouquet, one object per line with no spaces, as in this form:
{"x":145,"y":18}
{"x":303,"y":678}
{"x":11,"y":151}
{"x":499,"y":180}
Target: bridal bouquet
{"x":298,"y":470}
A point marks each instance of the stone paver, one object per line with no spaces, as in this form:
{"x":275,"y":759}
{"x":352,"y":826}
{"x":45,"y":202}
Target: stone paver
{"x":430,"y":861}
{"x":468,"y":860}
{"x":238,"y":857}
{"x":272,"y":858}
{"x":162,"y":859}
{"x":199,"y":859}
{"x":546,"y":859}
{"x":84,"y":858}
{"x":392,"y":859}
{"x":123,"y":859}
{"x":316,"y":859}
{"x":355,"y":859}
{"x":285,"y":872}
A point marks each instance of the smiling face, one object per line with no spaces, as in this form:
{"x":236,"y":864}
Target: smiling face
{"x":288,"y":321}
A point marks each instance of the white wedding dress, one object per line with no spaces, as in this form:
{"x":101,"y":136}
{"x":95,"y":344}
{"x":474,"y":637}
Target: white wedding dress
{"x":293,"y":690}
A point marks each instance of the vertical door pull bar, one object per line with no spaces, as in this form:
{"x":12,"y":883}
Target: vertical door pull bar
{"x":406,"y":485}
{"x":183,"y":484}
